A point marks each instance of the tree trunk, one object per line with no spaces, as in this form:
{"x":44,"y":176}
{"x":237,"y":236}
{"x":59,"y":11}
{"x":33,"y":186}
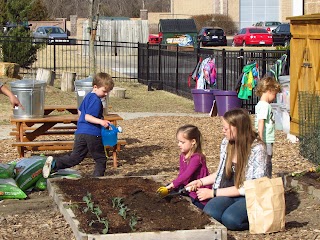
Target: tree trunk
{"x":46,"y":75}
{"x":67,"y":81}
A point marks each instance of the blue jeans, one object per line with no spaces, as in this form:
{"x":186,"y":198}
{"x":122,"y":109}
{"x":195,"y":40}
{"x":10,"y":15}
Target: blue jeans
{"x":230,"y":211}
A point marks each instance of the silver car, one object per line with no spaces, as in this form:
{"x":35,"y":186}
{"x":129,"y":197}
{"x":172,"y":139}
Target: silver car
{"x":269,"y":25}
{"x":52,"y":34}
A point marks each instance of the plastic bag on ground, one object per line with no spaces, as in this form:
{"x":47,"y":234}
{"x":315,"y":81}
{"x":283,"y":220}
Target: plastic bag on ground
{"x":10,"y":190}
{"x":68,"y":173}
{"x":7,"y":170}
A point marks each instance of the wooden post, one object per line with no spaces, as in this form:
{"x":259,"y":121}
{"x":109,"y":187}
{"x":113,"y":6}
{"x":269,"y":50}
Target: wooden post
{"x":67,"y":81}
{"x":46,"y":75}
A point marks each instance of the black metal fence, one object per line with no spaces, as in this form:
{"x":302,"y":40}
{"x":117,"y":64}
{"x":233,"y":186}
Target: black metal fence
{"x":169,"y":67}
{"x":117,"y":58}
{"x":161,"y":66}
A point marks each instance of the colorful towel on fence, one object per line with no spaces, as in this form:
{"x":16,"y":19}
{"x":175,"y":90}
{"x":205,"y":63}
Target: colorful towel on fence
{"x":248,"y":81}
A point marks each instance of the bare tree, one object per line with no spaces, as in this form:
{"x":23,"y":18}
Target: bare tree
{"x":114,"y":8}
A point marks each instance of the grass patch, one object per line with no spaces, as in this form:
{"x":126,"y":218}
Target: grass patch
{"x":138,"y":99}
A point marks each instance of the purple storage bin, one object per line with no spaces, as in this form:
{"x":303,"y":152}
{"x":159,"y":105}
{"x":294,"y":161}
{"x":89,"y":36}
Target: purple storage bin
{"x":203,"y":99}
{"x":226,"y":100}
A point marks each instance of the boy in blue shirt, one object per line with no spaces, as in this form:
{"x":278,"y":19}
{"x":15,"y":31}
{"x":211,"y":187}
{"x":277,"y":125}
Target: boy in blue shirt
{"x":88,"y":133}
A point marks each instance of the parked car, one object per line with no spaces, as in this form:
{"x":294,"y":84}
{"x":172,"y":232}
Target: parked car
{"x":51,"y":34}
{"x":253,"y":36}
{"x":154,"y":39}
{"x":269,"y":25}
{"x":281,"y":35}
{"x":9,"y":26}
{"x":212,"y":36}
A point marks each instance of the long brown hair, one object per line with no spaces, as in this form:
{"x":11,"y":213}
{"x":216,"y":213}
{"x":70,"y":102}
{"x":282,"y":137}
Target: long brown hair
{"x":241,"y":146}
{"x":192,"y":132}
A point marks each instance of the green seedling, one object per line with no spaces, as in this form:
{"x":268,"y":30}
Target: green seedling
{"x":133,"y":222}
{"x":300,"y":174}
{"x":116,"y":202}
{"x":123,"y":211}
{"x":96,"y":211}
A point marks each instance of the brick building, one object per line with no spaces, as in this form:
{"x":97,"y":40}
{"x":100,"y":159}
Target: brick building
{"x":243,"y":12}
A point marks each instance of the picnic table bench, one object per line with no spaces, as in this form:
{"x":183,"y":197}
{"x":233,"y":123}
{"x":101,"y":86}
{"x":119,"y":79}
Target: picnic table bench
{"x":28,"y":130}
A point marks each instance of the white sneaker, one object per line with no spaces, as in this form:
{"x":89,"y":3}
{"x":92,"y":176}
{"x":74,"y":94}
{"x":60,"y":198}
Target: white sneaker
{"x":47,"y":167}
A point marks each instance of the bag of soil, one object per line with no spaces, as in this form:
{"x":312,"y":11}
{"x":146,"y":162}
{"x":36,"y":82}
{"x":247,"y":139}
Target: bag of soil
{"x":28,"y":171}
{"x":7,"y":170}
{"x":41,"y":184}
{"x":68,"y":173}
{"x":10,"y":190}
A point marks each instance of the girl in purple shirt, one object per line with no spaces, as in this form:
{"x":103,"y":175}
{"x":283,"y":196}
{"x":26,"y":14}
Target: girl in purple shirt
{"x":192,"y":161}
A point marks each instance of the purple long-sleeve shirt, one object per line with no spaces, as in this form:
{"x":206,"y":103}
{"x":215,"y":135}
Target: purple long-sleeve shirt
{"x":193,"y":169}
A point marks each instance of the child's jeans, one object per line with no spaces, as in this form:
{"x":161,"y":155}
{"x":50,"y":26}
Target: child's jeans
{"x":269,"y":159}
{"x":83,"y":144}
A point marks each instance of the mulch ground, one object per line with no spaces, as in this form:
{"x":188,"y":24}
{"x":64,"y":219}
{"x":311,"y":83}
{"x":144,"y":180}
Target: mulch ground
{"x":152,"y":150}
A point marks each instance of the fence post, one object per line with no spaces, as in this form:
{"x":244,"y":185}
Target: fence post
{"x":288,"y":62}
{"x":241,"y":60}
{"x":54,"y":55}
{"x":148,"y":72}
{"x":264,"y":62}
{"x":160,"y":86}
{"x":224,"y":70}
{"x":177,"y":67}
{"x":139,"y":54}
{"x":198,"y":52}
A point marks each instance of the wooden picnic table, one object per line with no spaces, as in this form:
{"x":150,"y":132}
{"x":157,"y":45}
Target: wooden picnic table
{"x":28,"y":130}
{"x":60,"y":108}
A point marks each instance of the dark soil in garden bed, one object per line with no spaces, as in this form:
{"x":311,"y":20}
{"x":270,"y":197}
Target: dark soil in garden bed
{"x":309,"y":179}
{"x":152,"y":212}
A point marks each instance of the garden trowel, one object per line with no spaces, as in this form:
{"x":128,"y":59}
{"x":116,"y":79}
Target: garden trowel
{"x":164,"y":191}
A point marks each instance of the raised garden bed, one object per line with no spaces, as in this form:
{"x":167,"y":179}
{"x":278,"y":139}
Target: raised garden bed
{"x":147,"y":215}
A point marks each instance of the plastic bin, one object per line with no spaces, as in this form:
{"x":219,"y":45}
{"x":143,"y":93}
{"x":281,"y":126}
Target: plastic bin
{"x":285,"y":119}
{"x":203,"y":99}
{"x":31,"y":94}
{"x":226,"y":100}
{"x":277,"y":113}
{"x":284,"y":96}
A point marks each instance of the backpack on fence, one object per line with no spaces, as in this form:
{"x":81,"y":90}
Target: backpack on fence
{"x":194,"y":74}
{"x":204,"y":74}
{"x":279,"y":68}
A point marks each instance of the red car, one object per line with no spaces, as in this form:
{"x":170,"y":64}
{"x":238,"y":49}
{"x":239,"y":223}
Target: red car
{"x":154,"y":39}
{"x":252,"y":36}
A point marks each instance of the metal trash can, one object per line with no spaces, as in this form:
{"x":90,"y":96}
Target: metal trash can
{"x":82,"y":88}
{"x":31,"y":94}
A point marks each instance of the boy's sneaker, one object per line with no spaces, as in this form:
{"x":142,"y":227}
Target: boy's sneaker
{"x":47,"y":167}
